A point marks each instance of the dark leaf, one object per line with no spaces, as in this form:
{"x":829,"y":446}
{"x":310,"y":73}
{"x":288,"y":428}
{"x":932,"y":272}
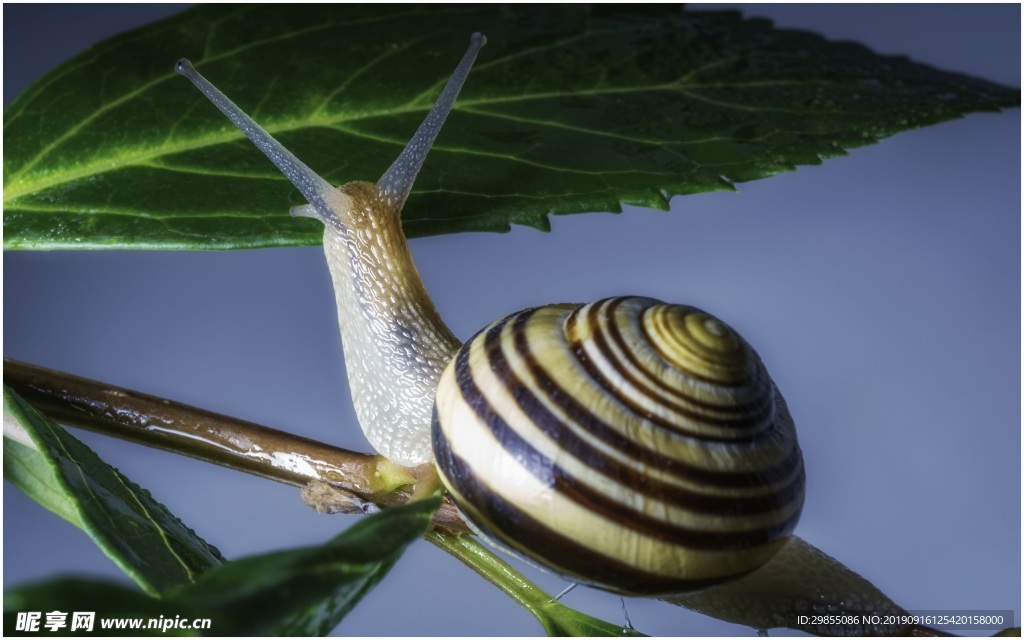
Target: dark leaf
{"x":119,"y":611}
{"x":300,"y":592}
{"x":308,"y":591}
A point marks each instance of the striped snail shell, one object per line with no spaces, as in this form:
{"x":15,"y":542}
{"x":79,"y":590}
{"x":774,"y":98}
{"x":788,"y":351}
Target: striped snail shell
{"x":630,"y":444}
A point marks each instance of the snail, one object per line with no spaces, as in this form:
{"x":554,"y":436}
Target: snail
{"x":633,"y":445}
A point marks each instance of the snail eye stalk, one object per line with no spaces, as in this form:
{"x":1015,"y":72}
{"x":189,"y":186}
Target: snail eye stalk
{"x":396,"y":183}
{"x":311,"y":185}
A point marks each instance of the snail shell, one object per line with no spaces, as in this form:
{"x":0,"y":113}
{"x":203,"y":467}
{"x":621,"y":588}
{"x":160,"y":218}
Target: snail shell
{"x":630,"y":444}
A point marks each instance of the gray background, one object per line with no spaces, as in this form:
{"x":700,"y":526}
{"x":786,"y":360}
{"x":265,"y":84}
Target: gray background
{"x":881,"y":289}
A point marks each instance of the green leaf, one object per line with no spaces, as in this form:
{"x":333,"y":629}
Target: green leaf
{"x":308,"y":591}
{"x":29,"y":470}
{"x":570,"y":109}
{"x":559,"y":620}
{"x":299,"y":592}
{"x":135,"y":531}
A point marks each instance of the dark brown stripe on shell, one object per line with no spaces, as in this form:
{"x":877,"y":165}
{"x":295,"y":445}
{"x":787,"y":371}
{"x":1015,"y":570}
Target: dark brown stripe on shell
{"x":756,"y":412}
{"x":609,"y":306}
{"x":547,"y":546}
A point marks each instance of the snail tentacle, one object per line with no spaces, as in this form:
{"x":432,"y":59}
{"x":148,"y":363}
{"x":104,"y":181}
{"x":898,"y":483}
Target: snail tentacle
{"x":396,"y":183}
{"x":315,"y":189}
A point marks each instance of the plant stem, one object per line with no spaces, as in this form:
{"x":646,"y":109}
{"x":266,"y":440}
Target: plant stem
{"x":212,"y":437}
{"x":276,"y":455}
{"x":556,"y":618}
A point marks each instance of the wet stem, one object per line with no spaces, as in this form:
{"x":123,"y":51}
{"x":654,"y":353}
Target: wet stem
{"x":212,"y":437}
{"x":272,"y":454}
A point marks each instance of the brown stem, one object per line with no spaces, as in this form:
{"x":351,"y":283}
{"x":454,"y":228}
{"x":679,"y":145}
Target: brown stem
{"x":212,"y":437}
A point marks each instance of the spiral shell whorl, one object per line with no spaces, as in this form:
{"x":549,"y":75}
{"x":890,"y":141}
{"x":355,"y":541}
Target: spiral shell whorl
{"x":633,"y":445}
{"x":683,"y":367}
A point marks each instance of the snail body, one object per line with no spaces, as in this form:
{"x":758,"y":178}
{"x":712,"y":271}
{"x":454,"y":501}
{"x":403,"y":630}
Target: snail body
{"x":636,"y":446}
{"x":394,"y":353}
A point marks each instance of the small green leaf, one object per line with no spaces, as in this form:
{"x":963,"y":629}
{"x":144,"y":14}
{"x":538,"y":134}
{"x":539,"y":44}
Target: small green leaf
{"x":299,"y":592}
{"x":29,"y":470}
{"x":138,"y":533}
{"x":569,"y":109}
{"x":559,"y":620}
{"x":308,"y":591}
